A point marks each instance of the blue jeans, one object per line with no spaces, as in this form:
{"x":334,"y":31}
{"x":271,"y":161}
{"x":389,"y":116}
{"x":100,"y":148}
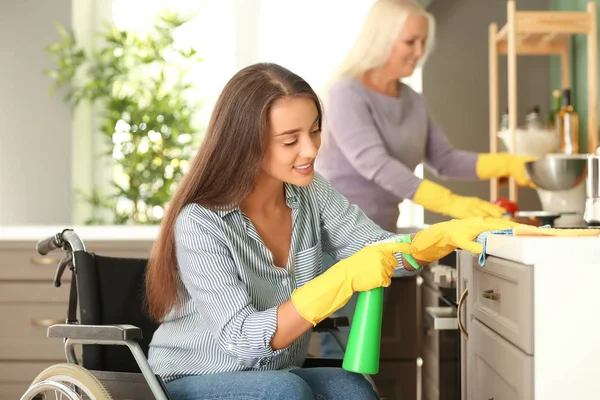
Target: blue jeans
{"x":327,"y":344}
{"x":299,"y":384}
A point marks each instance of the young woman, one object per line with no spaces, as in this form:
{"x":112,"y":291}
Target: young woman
{"x":379,"y":129}
{"x":235,"y":275}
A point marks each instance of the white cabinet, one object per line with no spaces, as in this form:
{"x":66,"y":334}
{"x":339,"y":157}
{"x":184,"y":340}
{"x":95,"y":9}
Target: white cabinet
{"x":529,"y":317}
{"x":498,"y":369}
{"x":498,"y":316}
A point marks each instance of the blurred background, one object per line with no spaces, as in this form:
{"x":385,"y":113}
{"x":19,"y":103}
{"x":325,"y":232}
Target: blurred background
{"x":93,"y":164}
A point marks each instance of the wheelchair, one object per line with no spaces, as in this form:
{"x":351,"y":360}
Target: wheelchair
{"x":114,"y":330}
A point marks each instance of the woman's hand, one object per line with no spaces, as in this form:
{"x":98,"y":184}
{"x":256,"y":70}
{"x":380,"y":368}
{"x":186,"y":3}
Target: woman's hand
{"x":368,"y":268}
{"x":438,"y":199}
{"x":468,"y":207}
{"x":499,"y":165}
{"x":443,"y":238}
{"x":406,"y":263}
{"x":373,"y":266}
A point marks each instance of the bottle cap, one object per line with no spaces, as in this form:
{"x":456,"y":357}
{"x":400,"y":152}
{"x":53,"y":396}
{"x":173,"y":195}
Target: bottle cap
{"x":566,"y":97}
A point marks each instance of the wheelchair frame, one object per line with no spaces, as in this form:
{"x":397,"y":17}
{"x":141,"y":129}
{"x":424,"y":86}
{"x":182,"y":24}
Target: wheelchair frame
{"x":74,"y":333}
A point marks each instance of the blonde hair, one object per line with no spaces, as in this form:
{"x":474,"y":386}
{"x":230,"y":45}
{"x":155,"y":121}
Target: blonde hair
{"x":380,"y":30}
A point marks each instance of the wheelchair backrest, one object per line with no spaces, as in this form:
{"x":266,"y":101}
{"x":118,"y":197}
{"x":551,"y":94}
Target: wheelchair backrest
{"x":111,"y":291}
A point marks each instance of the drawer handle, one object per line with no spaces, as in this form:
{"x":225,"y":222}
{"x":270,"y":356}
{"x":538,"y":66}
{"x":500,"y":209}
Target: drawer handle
{"x":44,"y":260}
{"x":489,"y":294}
{"x":46,"y":322}
{"x":463,"y":296}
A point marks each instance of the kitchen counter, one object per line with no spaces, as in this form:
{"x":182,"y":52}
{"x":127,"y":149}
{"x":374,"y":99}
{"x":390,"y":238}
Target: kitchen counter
{"x":532,"y":250}
{"x":87,"y":233}
{"x":532,"y":309}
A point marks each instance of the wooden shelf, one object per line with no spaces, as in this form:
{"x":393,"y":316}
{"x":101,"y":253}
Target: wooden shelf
{"x":540,"y":33}
{"x":548,"y":22}
{"x":544,"y":32}
{"x":536,"y":47}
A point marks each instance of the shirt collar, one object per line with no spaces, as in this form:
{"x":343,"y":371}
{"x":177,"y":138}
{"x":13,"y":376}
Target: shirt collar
{"x":224,"y":210}
{"x":291,"y":199}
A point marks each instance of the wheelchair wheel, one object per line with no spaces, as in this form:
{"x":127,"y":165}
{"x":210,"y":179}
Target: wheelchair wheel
{"x":70,"y":381}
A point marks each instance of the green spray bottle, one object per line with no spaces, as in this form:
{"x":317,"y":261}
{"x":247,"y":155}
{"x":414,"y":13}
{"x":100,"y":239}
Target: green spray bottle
{"x":364,"y":341}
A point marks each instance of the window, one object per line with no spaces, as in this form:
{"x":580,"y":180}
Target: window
{"x":310,"y":37}
{"x":212,"y":31}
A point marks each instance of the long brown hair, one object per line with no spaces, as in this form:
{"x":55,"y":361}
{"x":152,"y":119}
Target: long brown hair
{"x":226,"y":166}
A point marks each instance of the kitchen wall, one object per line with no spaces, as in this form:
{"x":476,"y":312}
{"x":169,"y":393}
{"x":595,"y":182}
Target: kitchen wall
{"x":35,"y":130}
{"x":455,"y":82}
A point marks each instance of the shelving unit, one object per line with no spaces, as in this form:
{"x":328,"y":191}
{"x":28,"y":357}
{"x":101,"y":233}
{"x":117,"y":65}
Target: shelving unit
{"x":539,"y":33}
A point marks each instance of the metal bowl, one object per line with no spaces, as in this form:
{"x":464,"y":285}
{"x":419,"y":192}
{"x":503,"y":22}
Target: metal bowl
{"x":558,"y":171}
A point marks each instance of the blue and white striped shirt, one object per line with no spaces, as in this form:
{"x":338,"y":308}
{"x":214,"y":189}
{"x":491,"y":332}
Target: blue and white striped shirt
{"x":231,"y":288}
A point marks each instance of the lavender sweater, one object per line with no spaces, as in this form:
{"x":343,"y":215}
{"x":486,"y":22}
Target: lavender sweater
{"x":373,"y":142}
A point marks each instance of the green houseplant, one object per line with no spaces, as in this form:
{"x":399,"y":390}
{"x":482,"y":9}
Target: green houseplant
{"x":138,"y":88}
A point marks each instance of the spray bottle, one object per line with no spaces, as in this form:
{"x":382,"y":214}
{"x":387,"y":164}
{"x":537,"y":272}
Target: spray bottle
{"x":364,"y":341}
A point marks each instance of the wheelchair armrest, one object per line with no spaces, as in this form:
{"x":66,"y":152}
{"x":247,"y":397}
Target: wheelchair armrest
{"x":95,"y":332}
{"x":331,"y":322}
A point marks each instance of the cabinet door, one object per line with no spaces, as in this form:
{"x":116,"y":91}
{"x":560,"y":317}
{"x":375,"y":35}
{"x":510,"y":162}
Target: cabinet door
{"x":464,"y":265}
{"x":503,"y":300}
{"x":430,"y":349}
{"x":396,"y":380}
{"x":440,"y":370}
{"x":498,"y":369}
{"x":400,"y":340}
{"x":27,"y":309}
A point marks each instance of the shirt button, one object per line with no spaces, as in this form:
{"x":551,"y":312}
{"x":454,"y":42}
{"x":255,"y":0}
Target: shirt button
{"x":284,"y":282}
{"x":229,"y":347}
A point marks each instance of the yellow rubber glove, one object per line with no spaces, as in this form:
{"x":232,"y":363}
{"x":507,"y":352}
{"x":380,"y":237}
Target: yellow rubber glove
{"x":368,"y":268}
{"x":504,"y":165}
{"x":441,"y":239}
{"x":437,"y":198}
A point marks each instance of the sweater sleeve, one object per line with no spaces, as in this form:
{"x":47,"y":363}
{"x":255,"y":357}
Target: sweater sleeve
{"x":445,"y":160}
{"x":353,"y":128}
